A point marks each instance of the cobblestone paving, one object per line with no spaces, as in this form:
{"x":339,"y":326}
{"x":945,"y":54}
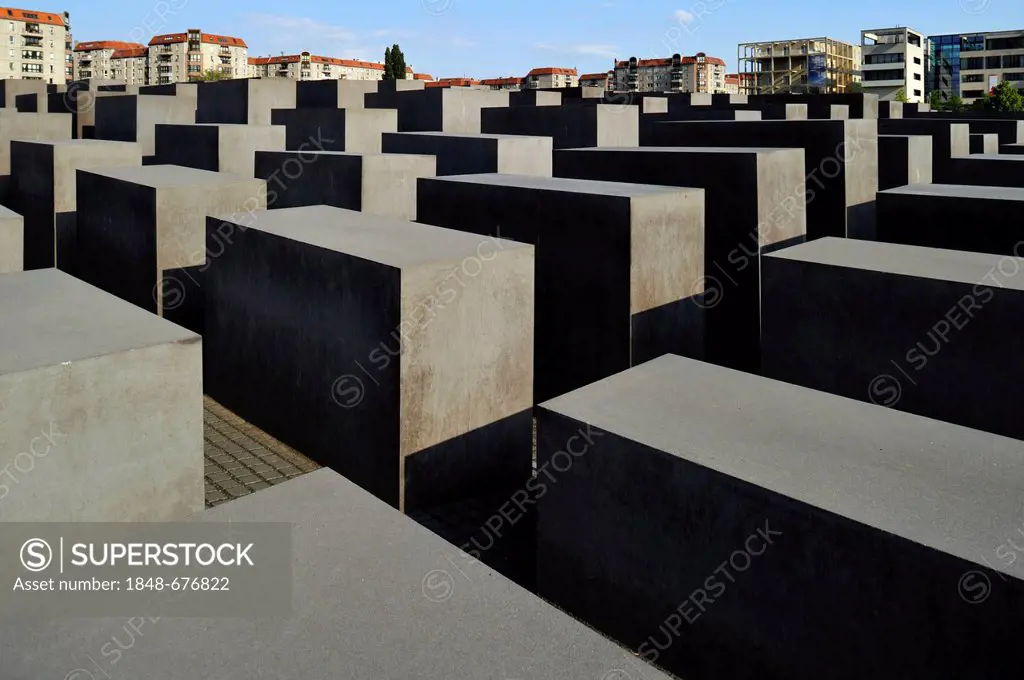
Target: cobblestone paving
{"x":241,"y":458}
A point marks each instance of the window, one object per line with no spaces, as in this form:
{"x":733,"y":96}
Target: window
{"x":1017,"y":76}
{"x":917,"y":93}
{"x":917,"y":76}
{"x":973,"y":78}
{"x":917,"y":60}
{"x":884,"y":58}
{"x":1013,"y":61}
{"x":993,"y":62}
{"x":1005,"y":43}
{"x":971,"y":63}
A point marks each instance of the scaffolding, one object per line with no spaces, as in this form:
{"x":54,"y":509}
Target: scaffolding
{"x":804,"y":65}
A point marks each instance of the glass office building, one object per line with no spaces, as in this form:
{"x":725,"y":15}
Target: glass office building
{"x":968,"y":65}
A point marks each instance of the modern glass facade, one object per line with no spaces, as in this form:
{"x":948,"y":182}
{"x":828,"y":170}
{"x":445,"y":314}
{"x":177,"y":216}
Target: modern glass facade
{"x":944,"y":61}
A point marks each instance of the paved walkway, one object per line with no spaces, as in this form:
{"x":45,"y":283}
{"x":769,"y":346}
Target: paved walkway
{"x":241,"y":458}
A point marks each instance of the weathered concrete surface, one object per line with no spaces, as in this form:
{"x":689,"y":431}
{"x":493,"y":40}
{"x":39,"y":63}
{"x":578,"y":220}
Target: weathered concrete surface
{"x":439,"y":109}
{"x":217,"y":148}
{"x":888,"y":109}
{"x":796,"y":529}
{"x":592,"y":125}
{"x":466,"y":154}
{"x":333,"y":94}
{"x":949,"y":140}
{"x":981,"y":219}
{"x":186,"y":90}
{"x":635,"y":252}
{"x":18,"y":125}
{"x":101,"y":406}
{"x":984,"y":143}
{"x":243,"y":101}
{"x":534,"y":98}
{"x":447,"y":377}
{"x":142,"y":232}
{"x":841,"y":163}
{"x":350,"y":545}
{"x":43,"y":180}
{"x":943,"y":345}
{"x":352,"y":130}
{"x":376,"y":184}
{"x":133,"y":118}
{"x":11,"y":88}
{"x":12,"y":241}
{"x":754,"y":201}
{"x":903,"y":160}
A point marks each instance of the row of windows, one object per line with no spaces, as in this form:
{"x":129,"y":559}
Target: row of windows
{"x":996,"y":62}
{"x":896,"y":58}
{"x":888,"y":74}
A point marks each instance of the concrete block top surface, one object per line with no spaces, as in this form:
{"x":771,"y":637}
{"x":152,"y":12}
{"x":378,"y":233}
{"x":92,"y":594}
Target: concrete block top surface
{"x":50,"y":317}
{"x":362,"y":568}
{"x":577,"y":186}
{"x":158,"y":176}
{"x":960,"y":191}
{"x":927,"y":263}
{"x":463,"y":135}
{"x":940,"y":485}
{"x":725,"y":150}
{"x":1008,"y":157}
{"x":386,"y":240}
{"x":6,"y":213}
{"x":78,"y":143}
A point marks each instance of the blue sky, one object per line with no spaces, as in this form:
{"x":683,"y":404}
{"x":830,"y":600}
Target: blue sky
{"x":492,"y":38}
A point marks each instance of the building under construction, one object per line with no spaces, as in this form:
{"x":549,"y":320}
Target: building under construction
{"x":804,"y":65}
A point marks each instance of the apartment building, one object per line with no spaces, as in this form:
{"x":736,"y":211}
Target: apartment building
{"x":699,"y":73}
{"x":426,"y":77}
{"x":601,"y":80}
{"x":37,"y":45}
{"x":551,"y":77}
{"x":511,"y":83}
{"x":94,"y":59}
{"x":454,"y":82}
{"x":893,"y":60}
{"x":971,"y":64}
{"x":306,"y":66}
{"x":130,"y":65}
{"x":180,"y":57}
{"x":800,"y":65}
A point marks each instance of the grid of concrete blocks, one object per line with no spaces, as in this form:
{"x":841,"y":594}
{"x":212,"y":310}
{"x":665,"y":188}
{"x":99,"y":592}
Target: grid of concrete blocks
{"x":589,"y":387}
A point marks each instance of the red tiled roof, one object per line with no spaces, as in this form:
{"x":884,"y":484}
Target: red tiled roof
{"x":453,"y":82}
{"x":594,"y":76}
{"x":502,"y":81}
{"x":132,"y":52}
{"x":422,"y":76}
{"x":106,"y":45}
{"x":647,"y":63}
{"x":32,"y":16}
{"x":170,"y":38}
{"x":552,"y":70}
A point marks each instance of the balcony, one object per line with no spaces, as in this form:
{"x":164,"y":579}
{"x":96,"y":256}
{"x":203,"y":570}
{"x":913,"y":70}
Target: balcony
{"x":32,"y":29}
{"x":38,"y":42}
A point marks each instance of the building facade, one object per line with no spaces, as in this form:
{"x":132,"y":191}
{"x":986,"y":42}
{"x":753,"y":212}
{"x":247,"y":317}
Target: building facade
{"x":130,"y":65}
{"x":512,"y":83}
{"x":551,"y":77}
{"x":893,"y":60}
{"x":801,"y":65}
{"x":699,"y":73}
{"x":306,"y":66}
{"x":970,"y":64}
{"x":37,"y":45}
{"x":602,"y":80}
{"x":95,"y":59}
{"x":181,"y":57}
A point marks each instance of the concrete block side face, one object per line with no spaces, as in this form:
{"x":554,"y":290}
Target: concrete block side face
{"x":266,"y":296}
{"x":67,"y":160}
{"x":959,"y":140}
{"x":861,"y":173}
{"x":526,"y":156}
{"x":237,"y":146}
{"x":666,"y":248}
{"x":781,"y":208}
{"x":364,"y":129}
{"x":165,"y":110}
{"x":226,"y":101}
{"x":618,"y":125}
{"x":116,"y":118}
{"x":12,"y":243}
{"x":118,"y":438}
{"x":796,"y":112}
{"x":920,"y":160}
{"x":13,"y":88}
{"x":31,"y":196}
{"x":190,"y":146}
{"x":467,"y":360}
{"x":333,"y":180}
{"x":389,"y":184}
{"x":29,"y":126}
{"x":181,"y":214}
{"x":116,"y":225}
{"x":266,"y":95}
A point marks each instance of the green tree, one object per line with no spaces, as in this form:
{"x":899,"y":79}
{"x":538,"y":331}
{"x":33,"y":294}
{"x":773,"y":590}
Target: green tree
{"x":210,"y":75}
{"x":901,"y":96}
{"x":388,"y":74}
{"x":935,"y":100}
{"x":854,"y":87}
{"x":983,"y":103}
{"x":1006,"y":97}
{"x":955,"y":104}
{"x":397,"y":63}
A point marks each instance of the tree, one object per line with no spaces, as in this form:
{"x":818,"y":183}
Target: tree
{"x":397,"y":63}
{"x":210,"y":75}
{"x":935,"y":100}
{"x":854,"y":87}
{"x":901,"y":96}
{"x":1006,"y":97}
{"x":388,"y":74}
{"x":955,"y":104}
{"x":983,"y":103}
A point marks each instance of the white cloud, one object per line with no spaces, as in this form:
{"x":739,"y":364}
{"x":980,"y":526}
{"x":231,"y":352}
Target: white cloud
{"x":599,"y":50}
{"x":271,"y":34}
{"x":682,"y":16}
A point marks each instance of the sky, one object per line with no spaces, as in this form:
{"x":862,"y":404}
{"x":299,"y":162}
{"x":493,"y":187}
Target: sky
{"x":496,"y":38}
